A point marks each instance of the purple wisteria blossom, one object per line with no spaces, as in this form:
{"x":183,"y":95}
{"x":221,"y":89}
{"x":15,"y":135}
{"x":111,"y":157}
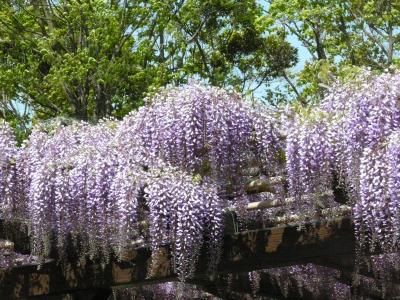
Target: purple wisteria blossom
{"x":8,"y":154}
{"x":206,"y":131}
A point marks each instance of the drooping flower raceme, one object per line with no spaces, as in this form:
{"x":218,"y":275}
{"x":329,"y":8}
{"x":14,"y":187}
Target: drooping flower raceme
{"x":61,"y":167}
{"x":181,"y":207}
{"x":83,"y":187}
{"x":186,"y":213}
{"x":377,"y":212}
{"x":309,"y":156}
{"x":365,"y":113}
{"x":205,"y":131}
{"x":174,"y":163}
{"x":8,"y":153}
{"x":370,"y":117}
{"x":309,"y":279}
{"x":309,"y":161}
{"x":90,"y":183}
{"x":356,"y":140}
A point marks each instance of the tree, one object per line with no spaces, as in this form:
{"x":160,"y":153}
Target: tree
{"x":90,"y":59}
{"x":223,"y":42}
{"x":340,"y":36}
{"x":73,"y":58}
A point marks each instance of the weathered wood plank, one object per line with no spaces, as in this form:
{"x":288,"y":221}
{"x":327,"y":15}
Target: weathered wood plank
{"x":242,"y":252}
{"x":287,"y":245}
{"x":288,"y":201}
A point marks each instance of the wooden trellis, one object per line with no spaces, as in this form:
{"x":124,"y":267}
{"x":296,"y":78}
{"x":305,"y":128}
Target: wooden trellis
{"x":328,"y":242}
{"x":242,"y":252}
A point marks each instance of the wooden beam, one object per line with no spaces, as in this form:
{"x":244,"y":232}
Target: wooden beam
{"x":271,"y":203}
{"x":259,"y":186}
{"x":242,"y":252}
{"x":286,"y":245}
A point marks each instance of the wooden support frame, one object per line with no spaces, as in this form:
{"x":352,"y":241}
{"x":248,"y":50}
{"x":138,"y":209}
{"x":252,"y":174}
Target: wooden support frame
{"x":242,"y":252}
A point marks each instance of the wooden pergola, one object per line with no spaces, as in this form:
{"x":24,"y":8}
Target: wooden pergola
{"x":325,"y":241}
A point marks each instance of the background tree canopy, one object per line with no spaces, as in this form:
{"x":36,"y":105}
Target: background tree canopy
{"x":90,"y":59}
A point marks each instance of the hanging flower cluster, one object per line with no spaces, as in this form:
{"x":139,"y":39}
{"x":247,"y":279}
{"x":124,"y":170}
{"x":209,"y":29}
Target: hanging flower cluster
{"x":367,"y":157}
{"x":309,"y":280}
{"x":62,"y":169}
{"x":80,"y":187}
{"x":309,"y":155}
{"x":206,"y":131}
{"x":168,"y":164}
{"x":377,"y":212}
{"x":165,"y":291}
{"x":353,"y":134}
{"x":8,"y":154}
{"x":175,"y":162}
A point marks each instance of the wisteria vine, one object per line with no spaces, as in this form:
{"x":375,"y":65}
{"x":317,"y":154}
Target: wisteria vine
{"x":8,"y":153}
{"x":173,"y":164}
{"x":353,"y":133}
{"x":206,"y":131}
{"x":178,"y":161}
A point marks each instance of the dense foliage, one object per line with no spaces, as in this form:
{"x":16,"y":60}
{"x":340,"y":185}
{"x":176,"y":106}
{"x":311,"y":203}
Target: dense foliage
{"x":337,"y":37}
{"x":98,"y":58}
